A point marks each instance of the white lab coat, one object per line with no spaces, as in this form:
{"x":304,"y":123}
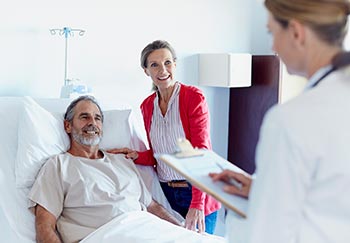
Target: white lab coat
{"x":301,"y":192}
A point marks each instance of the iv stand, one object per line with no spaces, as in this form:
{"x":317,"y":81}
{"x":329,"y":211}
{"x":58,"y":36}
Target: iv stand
{"x":67,"y":32}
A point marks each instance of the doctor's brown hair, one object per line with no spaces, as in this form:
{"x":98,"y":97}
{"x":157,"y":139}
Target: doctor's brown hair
{"x":327,"y":18}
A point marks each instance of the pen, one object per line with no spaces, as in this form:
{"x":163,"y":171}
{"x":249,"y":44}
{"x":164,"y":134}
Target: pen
{"x":231,"y":181}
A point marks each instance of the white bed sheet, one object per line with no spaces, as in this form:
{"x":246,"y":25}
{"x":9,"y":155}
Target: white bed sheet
{"x":136,"y":227}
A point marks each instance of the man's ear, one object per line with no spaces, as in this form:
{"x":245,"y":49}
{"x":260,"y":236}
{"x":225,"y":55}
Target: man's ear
{"x":146,"y":71}
{"x":67,"y":126}
{"x":297,"y":31}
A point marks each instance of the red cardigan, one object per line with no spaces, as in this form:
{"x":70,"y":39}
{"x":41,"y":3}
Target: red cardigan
{"x":194,"y":116}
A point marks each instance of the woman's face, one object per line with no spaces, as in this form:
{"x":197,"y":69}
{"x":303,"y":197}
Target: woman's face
{"x":161,"y":68}
{"x":285,"y":44}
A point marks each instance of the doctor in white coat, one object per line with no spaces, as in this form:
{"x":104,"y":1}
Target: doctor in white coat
{"x":301,"y":191}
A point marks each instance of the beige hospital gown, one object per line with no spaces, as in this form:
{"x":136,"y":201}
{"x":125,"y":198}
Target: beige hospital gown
{"x":84,"y":194}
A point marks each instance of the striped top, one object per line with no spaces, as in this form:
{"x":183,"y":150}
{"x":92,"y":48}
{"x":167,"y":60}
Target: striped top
{"x":165,"y":131}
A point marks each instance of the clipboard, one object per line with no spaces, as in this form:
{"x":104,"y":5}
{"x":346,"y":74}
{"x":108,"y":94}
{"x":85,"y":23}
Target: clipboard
{"x":195,"y":168}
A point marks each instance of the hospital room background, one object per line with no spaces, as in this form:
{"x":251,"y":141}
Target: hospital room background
{"x":106,"y":57}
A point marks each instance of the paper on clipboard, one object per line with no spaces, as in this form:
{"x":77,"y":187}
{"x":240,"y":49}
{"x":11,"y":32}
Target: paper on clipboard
{"x":196,"y":169}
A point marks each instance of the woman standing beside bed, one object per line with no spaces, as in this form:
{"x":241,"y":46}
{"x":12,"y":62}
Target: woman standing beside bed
{"x":174,"y":111}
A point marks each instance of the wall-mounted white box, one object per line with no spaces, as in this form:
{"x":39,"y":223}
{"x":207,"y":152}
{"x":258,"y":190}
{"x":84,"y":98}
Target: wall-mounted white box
{"x":225,"y":69}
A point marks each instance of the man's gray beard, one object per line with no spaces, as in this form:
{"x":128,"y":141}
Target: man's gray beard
{"x":86,"y":141}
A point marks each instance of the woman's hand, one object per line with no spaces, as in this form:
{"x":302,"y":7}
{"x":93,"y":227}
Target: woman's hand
{"x":227,"y":175}
{"x":194,"y":219}
{"x":129,"y":153}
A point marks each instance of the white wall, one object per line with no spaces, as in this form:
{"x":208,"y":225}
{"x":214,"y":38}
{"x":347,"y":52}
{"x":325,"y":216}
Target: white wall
{"x":107,"y":56}
{"x":261,"y":41}
{"x":292,"y":85}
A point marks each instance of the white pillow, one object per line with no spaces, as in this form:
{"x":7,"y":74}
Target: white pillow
{"x":9,"y":117}
{"x":41,"y":135}
{"x":116,"y":129}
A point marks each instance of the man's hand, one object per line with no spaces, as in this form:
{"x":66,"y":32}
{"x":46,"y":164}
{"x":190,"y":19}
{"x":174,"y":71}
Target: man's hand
{"x":158,"y":210}
{"x":45,"y":226}
{"x":194,"y":219}
{"x":226,"y":175}
{"x":129,"y":153}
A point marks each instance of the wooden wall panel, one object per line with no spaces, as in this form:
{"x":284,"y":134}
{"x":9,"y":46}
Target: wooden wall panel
{"x":247,"y":109}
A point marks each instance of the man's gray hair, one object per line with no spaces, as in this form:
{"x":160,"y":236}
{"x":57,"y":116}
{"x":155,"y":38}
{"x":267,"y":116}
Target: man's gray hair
{"x":68,"y":116}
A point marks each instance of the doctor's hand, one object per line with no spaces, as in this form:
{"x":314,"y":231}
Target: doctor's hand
{"x":194,"y":219}
{"x":228,"y":175}
{"x":129,"y":153}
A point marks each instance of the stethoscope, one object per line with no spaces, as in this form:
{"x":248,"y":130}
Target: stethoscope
{"x":340,"y":60}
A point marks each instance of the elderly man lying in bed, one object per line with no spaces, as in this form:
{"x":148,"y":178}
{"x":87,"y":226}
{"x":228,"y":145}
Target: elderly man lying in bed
{"x":78,"y":191}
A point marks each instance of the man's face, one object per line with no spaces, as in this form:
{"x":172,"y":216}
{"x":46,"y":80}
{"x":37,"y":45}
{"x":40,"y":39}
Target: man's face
{"x":86,"y":126}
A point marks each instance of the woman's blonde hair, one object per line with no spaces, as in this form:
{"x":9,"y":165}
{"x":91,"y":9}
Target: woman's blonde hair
{"x":327,"y":18}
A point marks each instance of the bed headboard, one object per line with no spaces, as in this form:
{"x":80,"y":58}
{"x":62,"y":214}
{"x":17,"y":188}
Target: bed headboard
{"x":248,"y":107}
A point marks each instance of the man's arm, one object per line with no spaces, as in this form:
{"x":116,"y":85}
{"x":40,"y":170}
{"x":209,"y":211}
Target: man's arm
{"x":45,"y":226}
{"x":158,"y":210}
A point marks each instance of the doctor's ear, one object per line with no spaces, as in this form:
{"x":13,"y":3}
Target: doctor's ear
{"x":298,"y":31}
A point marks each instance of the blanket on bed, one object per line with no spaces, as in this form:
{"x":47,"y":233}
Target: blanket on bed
{"x":136,"y":227}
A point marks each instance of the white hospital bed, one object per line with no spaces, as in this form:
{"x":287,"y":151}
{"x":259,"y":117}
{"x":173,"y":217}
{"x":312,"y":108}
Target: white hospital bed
{"x":33,"y":130}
